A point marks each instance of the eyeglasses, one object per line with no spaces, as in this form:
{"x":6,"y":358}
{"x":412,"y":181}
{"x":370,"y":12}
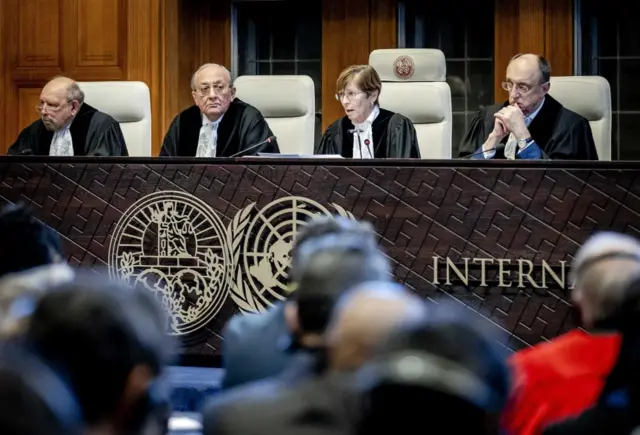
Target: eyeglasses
{"x":521,"y":87}
{"x":204,"y":91}
{"x":50,"y":107}
{"x":350,"y":95}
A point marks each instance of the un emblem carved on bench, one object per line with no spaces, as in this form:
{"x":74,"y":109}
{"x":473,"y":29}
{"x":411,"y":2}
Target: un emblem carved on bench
{"x":177,"y":247}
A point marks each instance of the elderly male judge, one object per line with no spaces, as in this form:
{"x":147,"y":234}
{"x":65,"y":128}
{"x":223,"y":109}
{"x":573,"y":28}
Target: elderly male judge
{"x":531,"y":124}
{"x":219,"y":124}
{"x":69,"y":127}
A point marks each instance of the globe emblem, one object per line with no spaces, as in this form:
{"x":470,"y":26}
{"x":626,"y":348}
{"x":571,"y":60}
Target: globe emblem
{"x":268,"y":239}
{"x":175,"y":246}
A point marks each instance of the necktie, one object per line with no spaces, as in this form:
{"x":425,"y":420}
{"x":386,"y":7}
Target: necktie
{"x":61,"y":144}
{"x":207,"y":141}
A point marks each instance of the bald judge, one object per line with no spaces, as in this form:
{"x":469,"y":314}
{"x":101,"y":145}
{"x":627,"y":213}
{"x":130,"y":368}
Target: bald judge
{"x":68,"y":126}
{"x":218,"y":124}
{"x":531,"y":124}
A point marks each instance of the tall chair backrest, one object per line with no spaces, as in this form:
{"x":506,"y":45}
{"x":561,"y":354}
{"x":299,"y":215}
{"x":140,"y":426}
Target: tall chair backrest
{"x":589,"y":96}
{"x":287,"y":103}
{"x":414,"y":85}
{"x":129,"y":103}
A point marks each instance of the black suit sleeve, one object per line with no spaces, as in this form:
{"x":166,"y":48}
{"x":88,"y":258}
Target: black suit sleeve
{"x":572,"y":142}
{"x":403,"y":142}
{"x":476,"y":134}
{"x":27,"y":140}
{"x":327,"y":144}
{"x":257,"y":130}
{"x":106,"y":140}
{"x":171,"y":139}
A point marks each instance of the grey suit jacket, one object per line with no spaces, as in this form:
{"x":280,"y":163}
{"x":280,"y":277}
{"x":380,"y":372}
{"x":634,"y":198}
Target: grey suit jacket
{"x":254,"y":347}
{"x":318,"y":405}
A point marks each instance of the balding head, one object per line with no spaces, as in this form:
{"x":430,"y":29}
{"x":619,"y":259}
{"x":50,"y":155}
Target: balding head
{"x":363,"y":319}
{"x":603,"y":268}
{"x":60,"y":101}
{"x":212,"y":90}
{"x":528,"y":75}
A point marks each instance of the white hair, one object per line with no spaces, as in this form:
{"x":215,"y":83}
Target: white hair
{"x":604,"y":282}
{"x":207,"y":65}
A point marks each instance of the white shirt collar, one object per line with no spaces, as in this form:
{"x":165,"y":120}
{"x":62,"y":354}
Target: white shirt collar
{"x":206,"y":121}
{"x":372,"y":117}
{"x":530,"y":118}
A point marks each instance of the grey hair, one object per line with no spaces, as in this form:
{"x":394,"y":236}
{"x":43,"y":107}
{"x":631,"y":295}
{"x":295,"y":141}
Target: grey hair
{"x":74,"y":93}
{"x":543,"y":64}
{"x":605,"y":282}
{"x":207,"y":65}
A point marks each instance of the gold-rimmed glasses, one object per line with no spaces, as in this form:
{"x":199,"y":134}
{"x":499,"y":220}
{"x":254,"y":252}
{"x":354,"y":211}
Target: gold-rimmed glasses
{"x":350,"y":95}
{"x":522,"y":88}
{"x":218,"y":89}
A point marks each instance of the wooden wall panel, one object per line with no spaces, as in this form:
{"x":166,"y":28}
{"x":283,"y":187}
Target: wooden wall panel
{"x":534,"y":26}
{"x":351,"y":29}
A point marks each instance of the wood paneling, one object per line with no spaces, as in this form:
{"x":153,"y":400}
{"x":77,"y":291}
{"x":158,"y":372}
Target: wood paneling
{"x":533,"y":26}
{"x":351,"y":29}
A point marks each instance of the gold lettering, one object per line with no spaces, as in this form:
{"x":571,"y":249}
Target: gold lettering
{"x":451,"y":265}
{"x":502,"y":272}
{"x":546,"y":268}
{"x":435,"y":270}
{"x":522,"y":274}
{"x":483,"y":269}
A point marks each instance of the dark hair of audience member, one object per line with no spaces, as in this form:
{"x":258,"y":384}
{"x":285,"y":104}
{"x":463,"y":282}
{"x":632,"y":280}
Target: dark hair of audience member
{"x":330,"y":265}
{"x":26,"y":242}
{"x":401,"y":406}
{"x":94,"y":332}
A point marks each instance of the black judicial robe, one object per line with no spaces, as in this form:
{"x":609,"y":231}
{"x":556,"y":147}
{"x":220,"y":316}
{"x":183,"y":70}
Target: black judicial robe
{"x":560,"y":133}
{"x":241,"y":127}
{"x":394,"y":136}
{"x":93,"y":133}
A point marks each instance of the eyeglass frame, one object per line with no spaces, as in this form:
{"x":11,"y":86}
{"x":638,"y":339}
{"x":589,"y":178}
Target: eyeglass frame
{"x":212,"y":86}
{"x":46,"y":106}
{"x":341,"y":95}
{"x":506,"y":84}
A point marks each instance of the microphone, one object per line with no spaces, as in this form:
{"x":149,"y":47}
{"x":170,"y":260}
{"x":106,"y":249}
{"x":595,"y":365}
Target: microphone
{"x":357,"y":130}
{"x":495,"y":148}
{"x":24,"y":152}
{"x":253,"y":147}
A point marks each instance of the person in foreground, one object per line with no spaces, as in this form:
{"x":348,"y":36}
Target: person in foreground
{"x":561,"y":378}
{"x":531,"y":124}
{"x":219,"y":124}
{"x":69,"y":127}
{"x":254,"y":345}
{"x":367,"y":131}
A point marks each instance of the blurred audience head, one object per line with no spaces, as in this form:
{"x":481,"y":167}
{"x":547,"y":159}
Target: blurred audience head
{"x":26,"y":242}
{"x":444,"y":364}
{"x":364,"y":317}
{"x":602,"y":270}
{"x":325,"y":267}
{"x":108,"y":342}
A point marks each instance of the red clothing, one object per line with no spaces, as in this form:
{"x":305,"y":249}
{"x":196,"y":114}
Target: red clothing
{"x":558,"y":379}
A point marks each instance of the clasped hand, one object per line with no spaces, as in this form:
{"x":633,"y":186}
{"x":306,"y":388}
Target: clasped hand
{"x":510,"y":119}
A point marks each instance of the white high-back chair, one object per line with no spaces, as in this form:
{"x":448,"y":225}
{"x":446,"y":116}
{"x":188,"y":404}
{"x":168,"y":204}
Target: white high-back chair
{"x":288,"y":105}
{"x":589,"y":96}
{"x":129,"y":103}
{"x":414,"y":85}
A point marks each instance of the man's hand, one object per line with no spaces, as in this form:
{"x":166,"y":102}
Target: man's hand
{"x":497,"y":134}
{"x":513,"y":119}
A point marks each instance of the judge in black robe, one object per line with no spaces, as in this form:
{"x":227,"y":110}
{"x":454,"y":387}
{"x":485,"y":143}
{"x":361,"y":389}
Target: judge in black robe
{"x":539,"y":126}
{"x":558,"y":133}
{"x":242,"y":126}
{"x":393,"y":136}
{"x":385,"y":133}
{"x":93,"y":133}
